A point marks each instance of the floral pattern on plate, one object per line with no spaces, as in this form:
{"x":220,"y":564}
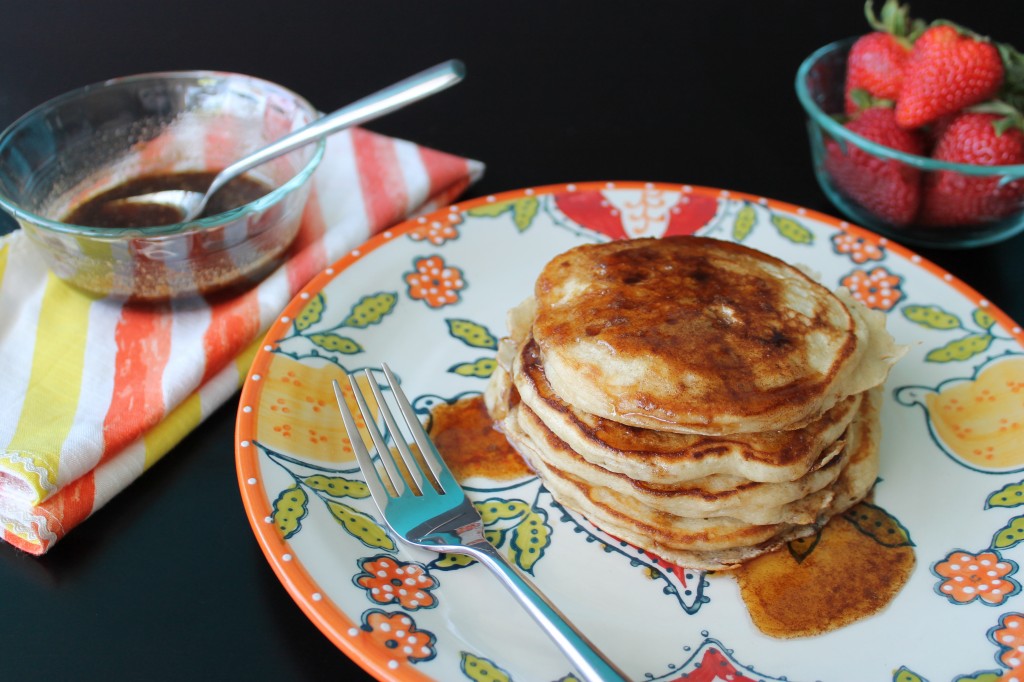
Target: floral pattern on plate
{"x":430,"y":296}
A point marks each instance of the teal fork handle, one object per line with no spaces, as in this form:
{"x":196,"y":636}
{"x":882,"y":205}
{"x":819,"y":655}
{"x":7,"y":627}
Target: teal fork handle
{"x":588,"y":661}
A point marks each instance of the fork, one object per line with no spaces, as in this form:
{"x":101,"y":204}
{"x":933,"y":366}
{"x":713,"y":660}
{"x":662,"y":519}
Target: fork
{"x":438,"y":516}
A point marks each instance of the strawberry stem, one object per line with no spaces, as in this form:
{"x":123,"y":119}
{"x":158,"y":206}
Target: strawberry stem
{"x":1009,"y":115}
{"x":862,"y":99}
{"x":895,"y":20}
{"x":1012,"y":90}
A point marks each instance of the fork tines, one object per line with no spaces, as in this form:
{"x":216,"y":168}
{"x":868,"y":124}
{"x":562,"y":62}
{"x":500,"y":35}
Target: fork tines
{"x":407,"y":467}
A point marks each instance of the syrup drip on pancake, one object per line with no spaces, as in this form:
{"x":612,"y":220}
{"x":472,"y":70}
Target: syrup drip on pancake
{"x":691,"y":334}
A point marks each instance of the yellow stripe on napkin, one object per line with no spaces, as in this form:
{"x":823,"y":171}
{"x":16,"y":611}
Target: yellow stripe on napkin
{"x":189,"y":414}
{"x":175,"y":426}
{"x":55,"y":379}
{"x":4,"y":250}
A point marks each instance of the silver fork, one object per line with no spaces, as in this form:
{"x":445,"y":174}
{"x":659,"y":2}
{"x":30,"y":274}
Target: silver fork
{"x":442,"y":519}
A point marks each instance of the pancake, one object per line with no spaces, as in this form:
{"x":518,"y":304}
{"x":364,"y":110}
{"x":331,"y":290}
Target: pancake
{"x":663,"y":457}
{"x":712,"y":496}
{"x":696,"y":335}
{"x":717,"y":543}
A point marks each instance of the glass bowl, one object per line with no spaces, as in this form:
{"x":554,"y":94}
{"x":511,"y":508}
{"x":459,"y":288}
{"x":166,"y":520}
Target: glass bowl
{"x":819,"y":87}
{"x":87,"y":141}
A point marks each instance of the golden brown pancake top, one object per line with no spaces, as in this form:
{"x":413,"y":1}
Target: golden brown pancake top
{"x":690,"y":334}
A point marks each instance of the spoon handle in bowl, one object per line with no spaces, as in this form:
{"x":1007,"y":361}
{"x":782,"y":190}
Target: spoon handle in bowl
{"x":391,"y":98}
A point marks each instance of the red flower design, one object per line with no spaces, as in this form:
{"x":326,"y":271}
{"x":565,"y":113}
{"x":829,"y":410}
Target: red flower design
{"x":398,"y":632}
{"x":859,"y":249}
{"x":878,"y":289}
{"x":1009,"y":637}
{"x":436,"y":232}
{"x":984,"y":576}
{"x":388,"y":580}
{"x":434,"y":282}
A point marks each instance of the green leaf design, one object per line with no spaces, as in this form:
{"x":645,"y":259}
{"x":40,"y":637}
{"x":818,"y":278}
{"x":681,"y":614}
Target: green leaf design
{"x":290,"y":508}
{"x":744,"y":222}
{"x":983,"y":676}
{"x":801,"y":548}
{"x":961,"y":349}
{"x":524,"y":211}
{"x":983,"y":319}
{"x":480,"y":669}
{"x":360,"y":526}
{"x":530,"y":538}
{"x":931,"y":316}
{"x":482,"y":368}
{"x":311,"y":314}
{"x":371,"y":310}
{"x":496,"y":509}
{"x":905,"y":674}
{"x":792,"y":230}
{"x":1010,"y":495}
{"x":337,"y":486}
{"x":334,"y":342}
{"x":472,"y":334}
{"x":448,"y":562}
{"x":1010,"y":535}
{"x":879,"y":525}
{"x":494,"y":536}
{"x":491,"y":210}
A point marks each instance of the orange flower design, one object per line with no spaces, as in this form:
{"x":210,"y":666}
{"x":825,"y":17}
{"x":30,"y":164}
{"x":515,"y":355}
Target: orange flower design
{"x":436,"y":232}
{"x":983,"y":576}
{"x":857,"y":248}
{"x":388,"y":580}
{"x":1009,"y":637}
{"x":398,"y":632}
{"x":878,"y":289}
{"x":434,"y":282}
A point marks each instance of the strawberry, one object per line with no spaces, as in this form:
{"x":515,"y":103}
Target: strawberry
{"x":985,"y":139}
{"x":947,"y":71}
{"x":876,"y":61}
{"x":887,"y":188}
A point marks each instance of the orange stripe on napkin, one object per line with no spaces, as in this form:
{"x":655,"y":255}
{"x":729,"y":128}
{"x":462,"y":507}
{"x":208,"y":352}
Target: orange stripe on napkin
{"x":380,"y":178}
{"x":73,"y":505}
{"x":443,"y":170}
{"x":310,"y":255}
{"x":233,"y":323}
{"x":143,"y":339}
{"x":154,"y":156}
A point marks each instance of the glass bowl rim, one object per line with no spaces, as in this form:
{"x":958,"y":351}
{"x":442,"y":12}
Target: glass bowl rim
{"x":173,"y":229}
{"x":838,"y":131}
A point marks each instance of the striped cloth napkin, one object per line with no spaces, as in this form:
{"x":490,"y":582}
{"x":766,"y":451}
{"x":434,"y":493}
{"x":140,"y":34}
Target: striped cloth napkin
{"x":93,"y":393}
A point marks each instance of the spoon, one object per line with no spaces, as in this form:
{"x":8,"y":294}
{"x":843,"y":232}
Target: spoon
{"x":391,"y":98}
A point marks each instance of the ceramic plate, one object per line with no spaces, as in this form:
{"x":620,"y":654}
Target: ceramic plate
{"x":429,"y":297}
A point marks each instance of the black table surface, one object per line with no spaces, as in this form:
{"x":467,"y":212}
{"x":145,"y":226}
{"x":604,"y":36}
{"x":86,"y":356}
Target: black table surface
{"x":167,"y":581}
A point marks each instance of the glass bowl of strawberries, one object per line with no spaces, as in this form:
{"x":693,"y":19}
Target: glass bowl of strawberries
{"x":916,"y":130}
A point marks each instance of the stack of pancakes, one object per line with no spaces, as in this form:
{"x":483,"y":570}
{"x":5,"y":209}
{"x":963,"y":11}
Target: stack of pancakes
{"x":699,"y":399}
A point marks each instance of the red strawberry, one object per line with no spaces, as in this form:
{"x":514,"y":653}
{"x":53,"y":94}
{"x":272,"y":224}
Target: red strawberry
{"x":945,"y":73}
{"x":887,"y":188}
{"x":983,"y":139}
{"x":876,"y":60}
